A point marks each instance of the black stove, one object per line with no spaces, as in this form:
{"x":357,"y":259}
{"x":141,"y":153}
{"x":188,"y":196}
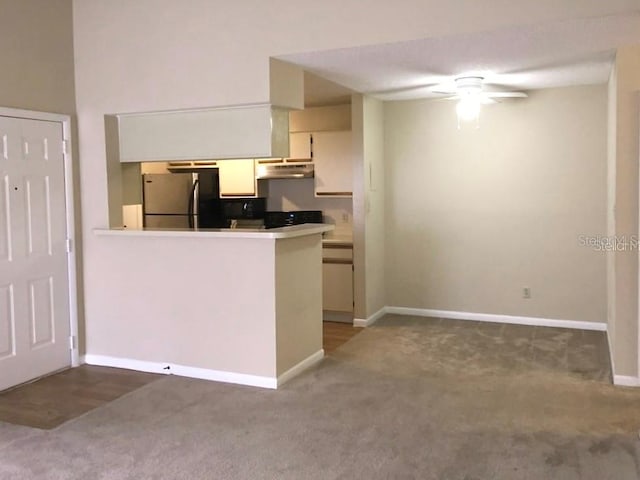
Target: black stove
{"x":296,"y":217}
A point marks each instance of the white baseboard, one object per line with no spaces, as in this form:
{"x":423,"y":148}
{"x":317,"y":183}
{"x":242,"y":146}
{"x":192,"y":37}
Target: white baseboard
{"x":126,"y":363}
{"x":488,"y":317}
{"x":300,"y":367}
{"x":226,"y":377}
{"x":625,"y":381}
{"x":183,"y":371}
{"x":365,"y":322}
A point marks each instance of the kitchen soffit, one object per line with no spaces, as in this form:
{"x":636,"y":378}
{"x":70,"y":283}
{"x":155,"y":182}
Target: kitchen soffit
{"x":575,"y":52}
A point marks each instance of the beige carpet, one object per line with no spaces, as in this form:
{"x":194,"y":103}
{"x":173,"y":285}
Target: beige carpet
{"x":407,"y":398}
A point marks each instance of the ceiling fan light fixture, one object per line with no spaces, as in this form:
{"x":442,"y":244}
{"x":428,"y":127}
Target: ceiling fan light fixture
{"x":469,"y":90}
{"x":468,"y":108}
{"x":469,"y":85}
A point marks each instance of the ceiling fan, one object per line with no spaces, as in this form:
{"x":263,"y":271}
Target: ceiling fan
{"x":473,"y":86}
{"x":469,"y":90}
{"x":471,"y":94}
{"x":453,"y":89}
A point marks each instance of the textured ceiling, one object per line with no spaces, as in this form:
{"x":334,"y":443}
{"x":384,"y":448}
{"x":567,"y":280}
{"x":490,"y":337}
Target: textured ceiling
{"x":575,"y":52}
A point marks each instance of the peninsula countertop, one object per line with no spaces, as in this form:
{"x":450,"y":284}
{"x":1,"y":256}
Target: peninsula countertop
{"x":254,"y":233}
{"x":233,"y":305}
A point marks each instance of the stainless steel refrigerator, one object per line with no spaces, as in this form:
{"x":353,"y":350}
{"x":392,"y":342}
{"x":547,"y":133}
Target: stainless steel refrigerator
{"x":181,"y":200}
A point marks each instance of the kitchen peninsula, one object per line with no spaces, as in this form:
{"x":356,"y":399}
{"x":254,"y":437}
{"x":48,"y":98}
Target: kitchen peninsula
{"x":241,"y":306}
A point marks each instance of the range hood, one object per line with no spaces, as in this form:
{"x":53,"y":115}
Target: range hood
{"x":191,"y":167}
{"x":286,"y":170}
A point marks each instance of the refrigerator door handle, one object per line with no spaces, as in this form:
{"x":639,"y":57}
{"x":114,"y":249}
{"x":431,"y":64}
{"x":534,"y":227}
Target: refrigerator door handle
{"x":193,"y":204}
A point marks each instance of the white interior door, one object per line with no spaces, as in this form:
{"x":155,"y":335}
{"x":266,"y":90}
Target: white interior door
{"x":34,"y":288}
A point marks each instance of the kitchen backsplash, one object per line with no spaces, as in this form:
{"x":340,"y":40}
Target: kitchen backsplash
{"x":298,"y":195}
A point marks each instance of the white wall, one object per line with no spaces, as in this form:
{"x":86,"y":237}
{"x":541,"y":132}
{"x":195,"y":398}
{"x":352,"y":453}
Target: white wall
{"x":473,"y":216}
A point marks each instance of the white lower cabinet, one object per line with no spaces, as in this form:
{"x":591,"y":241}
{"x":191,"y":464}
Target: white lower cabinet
{"x":337,"y":287}
{"x":337,"y":283}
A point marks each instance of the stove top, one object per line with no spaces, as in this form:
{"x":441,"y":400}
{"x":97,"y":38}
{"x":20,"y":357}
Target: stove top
{"x":295,"y":217}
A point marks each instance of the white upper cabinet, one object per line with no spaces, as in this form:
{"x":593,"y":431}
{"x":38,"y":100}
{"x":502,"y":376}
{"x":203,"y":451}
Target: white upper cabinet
{"x":237,"y":178}
{"x":300,"y":146}
{"x":230,"y":132}
{"x":333,"y":159}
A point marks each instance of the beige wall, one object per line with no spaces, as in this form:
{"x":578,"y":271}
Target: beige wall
{"x":373,"y":177}
{"x":130,"y":57}
{"x":37,"y":55}
{"x":149,"y":55}
{"x":624,"y":289}
{"x":298,"y":279}
{"x":299,"y":195}
{"x":205,"y":304}
{"x":611,"y":204}
{"x":475,"y":215}
{"x":359,"y":208}
{"x":368,"y":206}
{"x":237,"y":305}
{"x":37,"y":59}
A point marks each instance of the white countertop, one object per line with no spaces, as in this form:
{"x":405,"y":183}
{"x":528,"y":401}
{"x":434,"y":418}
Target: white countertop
{"x":255,"y":233}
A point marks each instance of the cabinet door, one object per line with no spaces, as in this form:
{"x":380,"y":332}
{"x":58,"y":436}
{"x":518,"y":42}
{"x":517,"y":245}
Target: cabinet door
{"x":333,"y":159}
{"x":229,"y":132}
{"x":237,"y":178}
{"x":300,"y":146}
{"x":337,"y":287}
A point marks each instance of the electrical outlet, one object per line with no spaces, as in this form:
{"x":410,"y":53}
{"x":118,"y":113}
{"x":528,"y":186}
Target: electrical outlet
{"x":526,"y":292}
{"x":345,"y":217}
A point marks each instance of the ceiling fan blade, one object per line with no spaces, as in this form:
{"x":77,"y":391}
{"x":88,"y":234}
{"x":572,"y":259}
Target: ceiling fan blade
{"x":505,"y":94}
{"x":443,"y":99}
{"x":444,"y":92}
{"x":410,"y":88}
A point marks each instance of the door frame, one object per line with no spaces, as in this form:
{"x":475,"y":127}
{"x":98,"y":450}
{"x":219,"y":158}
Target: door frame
{"x":72,"y":278}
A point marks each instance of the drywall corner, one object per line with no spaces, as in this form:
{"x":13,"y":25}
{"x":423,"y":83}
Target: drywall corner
{"x":286,"y":84}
